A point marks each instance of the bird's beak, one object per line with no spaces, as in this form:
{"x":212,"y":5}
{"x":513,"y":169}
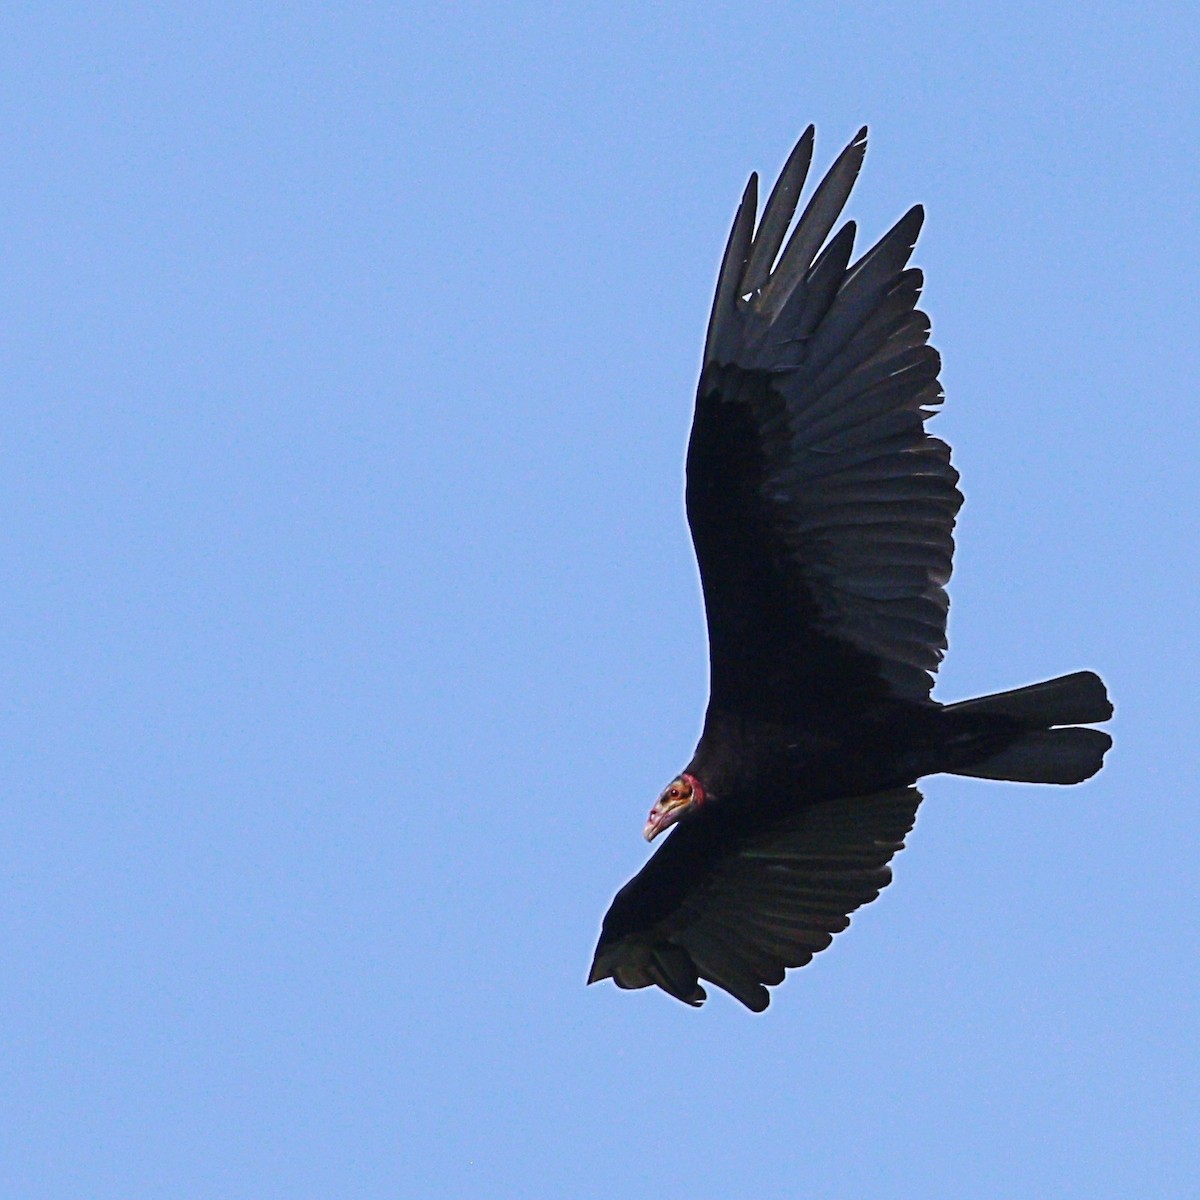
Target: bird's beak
{"x":664,"y":814}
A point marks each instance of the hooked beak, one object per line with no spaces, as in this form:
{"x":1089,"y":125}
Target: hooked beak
{"x":664,"y":814}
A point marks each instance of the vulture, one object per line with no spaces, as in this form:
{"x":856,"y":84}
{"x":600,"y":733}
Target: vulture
{"x":822,"y":515}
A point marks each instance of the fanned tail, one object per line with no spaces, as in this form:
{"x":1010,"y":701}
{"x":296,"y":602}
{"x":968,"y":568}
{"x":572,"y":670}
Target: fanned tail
{"x":1045,"y":752}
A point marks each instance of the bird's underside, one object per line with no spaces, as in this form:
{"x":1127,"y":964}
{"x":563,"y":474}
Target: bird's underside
{"x":822,"y":514}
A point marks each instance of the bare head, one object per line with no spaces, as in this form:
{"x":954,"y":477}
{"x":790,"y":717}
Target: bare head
{"x":682,"y":795}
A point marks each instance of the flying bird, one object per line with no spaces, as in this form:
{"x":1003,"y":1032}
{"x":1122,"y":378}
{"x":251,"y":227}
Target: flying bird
{"x":822,"y":514}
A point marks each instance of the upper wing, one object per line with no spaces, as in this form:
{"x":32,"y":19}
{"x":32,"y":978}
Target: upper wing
{"x":821,"y":511}
{"x":737,"y":907}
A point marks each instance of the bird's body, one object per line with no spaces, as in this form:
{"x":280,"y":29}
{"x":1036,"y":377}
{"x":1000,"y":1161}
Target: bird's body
{"x":822,"y":514}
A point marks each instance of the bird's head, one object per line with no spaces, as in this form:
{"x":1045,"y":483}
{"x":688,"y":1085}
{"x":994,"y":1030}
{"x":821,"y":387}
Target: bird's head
{"x":680,"y":797}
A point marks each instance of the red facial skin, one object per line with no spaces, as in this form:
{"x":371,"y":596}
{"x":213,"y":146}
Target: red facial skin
{"x":684,"y":794}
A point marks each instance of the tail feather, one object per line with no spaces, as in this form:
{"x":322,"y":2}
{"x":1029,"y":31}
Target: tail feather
{"x":1076,"y":699}
{"x":1043,"y":753}
{"x":1046,"y":756}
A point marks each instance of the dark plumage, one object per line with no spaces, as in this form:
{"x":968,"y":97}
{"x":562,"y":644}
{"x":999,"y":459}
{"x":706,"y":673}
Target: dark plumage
{"x":822,"y":515}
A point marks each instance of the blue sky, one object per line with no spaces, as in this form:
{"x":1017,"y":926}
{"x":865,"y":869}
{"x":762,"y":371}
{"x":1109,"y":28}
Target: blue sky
{"x":351,"y":623}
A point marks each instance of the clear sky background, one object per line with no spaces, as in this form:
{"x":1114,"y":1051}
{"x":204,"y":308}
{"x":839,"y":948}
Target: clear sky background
{"x":350,"y":621}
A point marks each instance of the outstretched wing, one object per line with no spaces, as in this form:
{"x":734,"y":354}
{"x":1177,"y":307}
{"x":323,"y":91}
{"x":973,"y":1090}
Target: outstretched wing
{"x":739,"y":907}
{"x":822,"y":512}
